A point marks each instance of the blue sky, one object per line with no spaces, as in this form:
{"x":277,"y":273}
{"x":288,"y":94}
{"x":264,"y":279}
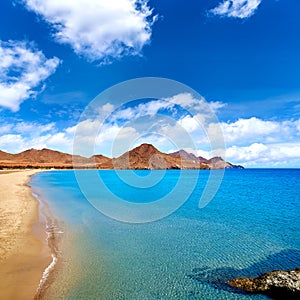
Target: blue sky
{"x":242,"y":56}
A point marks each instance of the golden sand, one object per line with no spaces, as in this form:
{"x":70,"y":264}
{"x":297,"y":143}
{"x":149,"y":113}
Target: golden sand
{"x":23,"y":253}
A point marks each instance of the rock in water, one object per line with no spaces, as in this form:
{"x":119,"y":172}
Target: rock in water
{"x":277,"y":284}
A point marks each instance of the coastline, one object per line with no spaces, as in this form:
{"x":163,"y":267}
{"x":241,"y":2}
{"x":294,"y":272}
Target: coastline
{"x":24,"y":253}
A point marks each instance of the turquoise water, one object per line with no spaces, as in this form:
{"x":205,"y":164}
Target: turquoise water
{"x":250,"y":227}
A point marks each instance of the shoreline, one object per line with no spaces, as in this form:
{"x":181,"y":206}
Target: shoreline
{"x":53,"y":233}
{"x":24,"y":252}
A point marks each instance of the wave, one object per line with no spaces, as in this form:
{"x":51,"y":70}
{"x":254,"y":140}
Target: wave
{"x":54,"y":233}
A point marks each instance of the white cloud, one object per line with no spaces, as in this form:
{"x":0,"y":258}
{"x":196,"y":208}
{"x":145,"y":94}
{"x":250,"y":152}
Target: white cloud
{"x":185,"y":100}
{"x":193,"y":112}
{"x":112,"y":133}
{"x":22,"y":69}
{"x":247,"y":153}
{"x":33,"y":127}
{"x":266,"y":155}
{"x":18,"y":136}
{"x":98,"y":29}
{"x":246,"y":128}
{"x":93,"y":136}
{"x":87,"y":127}
{"x":5,"y":128}
{"x":107,"y":108}
{"x":199,"y":105}
{"x":189,"y":123}
{"x":236,"y":8}
{"x":245,"y":131}
{"x":298,"y":126}
{"x":159,"y":120}
{"x":150,"y":108}
{"x":11,"y":142}
{"x":256,"y":142}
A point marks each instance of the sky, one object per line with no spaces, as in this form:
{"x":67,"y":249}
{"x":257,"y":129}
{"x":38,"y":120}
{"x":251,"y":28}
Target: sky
{"x":242,"y":57}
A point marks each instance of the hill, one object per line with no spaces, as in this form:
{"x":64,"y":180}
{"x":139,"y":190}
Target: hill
{"x":216,"y":162}
{"x":145,"y":156}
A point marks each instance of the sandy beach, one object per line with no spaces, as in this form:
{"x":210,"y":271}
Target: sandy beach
{"x":23,"y":250}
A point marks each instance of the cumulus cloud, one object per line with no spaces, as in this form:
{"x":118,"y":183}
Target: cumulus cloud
{"x":163,"y":120}
{"x":247,"y":153}
{"x":183,"y":107}
{"x":199,"y":105}
{"x":33,"y":127}
{"x":236,"y":8}
{"x":18,"y":136}
{"x":298,"y":126}
{"x":266,"y":155}
{"x":98,"y":29}
{"x":254,"y":129}
{"x":250,"y":142}
{"x":189,"y":123}
{"x":91,"y":136}
{"x":11,"y":142}
{"x":150,"y":108}
{"x":23,"y":68}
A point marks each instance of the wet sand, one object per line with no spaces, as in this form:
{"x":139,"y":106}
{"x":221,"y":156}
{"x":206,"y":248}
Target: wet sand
{"x":24,"y":253}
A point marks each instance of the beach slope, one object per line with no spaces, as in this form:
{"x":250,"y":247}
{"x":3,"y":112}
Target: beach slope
{"x":23,"y":254}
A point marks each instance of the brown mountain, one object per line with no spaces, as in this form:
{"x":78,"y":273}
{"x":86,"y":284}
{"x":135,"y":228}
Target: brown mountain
{"x":145,"y":156}
{"x":191,"y":156}
{"x":216,"y":162}
{"x":184,"y":154}
{"x":5,"y":156}
{"x":101,"y":161}
{"x":39,"y":158}
{"x":43,"y":156}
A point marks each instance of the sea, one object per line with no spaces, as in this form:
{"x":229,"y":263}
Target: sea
{"x":250,"y":226}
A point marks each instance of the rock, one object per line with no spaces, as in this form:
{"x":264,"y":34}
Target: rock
{"x":277,"y":284}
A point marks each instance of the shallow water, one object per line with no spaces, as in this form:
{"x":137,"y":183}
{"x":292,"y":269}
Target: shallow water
{"x":251,"y":226}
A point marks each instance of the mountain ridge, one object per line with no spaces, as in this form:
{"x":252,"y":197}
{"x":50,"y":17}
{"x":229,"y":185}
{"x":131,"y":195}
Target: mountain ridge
{"x":145,"y":156}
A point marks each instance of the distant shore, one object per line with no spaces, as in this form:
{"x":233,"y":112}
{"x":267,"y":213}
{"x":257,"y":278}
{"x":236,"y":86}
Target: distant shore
{"x":24,"y":253}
